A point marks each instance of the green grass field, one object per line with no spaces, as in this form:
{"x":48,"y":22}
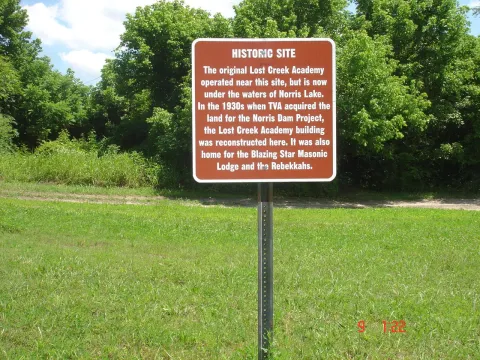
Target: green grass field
{"x":179,"y":281}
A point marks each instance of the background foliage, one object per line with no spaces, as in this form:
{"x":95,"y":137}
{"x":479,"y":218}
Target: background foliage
{"x":408,"y":88}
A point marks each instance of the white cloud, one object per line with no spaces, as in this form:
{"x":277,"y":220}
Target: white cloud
{"x":95,"y":25}
{"x":474,"y":3}
{"x":86,"y":63}
{"x":43,"y":23}
{"x":77,"y":25}
{"x":89,"y":30}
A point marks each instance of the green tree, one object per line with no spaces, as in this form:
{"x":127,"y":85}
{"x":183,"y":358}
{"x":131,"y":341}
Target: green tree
{"x":13,"y":19}
{"x":426,"y":36}
{"x":16,"y":43}
{"x":290,"y":18}
{"x":50,"y":102}
{"x":9,"y":85}
{"x":9,"y":88}
{"x":155,"y":49}
{"x":170,"y":138}
{"x":430,"y":41}
{"x":149,"y":69}
{"x":375,"y":105}
{"x":40,"y":100}
{"x":459,"y":150}
{"x":7,"y":133}
{"x":106,"y":107}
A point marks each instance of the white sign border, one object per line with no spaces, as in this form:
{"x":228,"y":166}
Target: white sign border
{"x":334,"y":110}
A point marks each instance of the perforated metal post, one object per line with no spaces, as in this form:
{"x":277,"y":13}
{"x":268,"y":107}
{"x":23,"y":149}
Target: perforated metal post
{"x":265,"y":269}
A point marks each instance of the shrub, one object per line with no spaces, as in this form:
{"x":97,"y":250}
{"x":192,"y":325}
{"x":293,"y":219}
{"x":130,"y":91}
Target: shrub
{"x":7,"y":133}
{"x":79,"y":162}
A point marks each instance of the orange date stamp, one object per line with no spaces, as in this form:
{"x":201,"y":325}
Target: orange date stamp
{"x":388,"y":326}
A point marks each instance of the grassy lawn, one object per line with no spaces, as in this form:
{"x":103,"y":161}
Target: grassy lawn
{"x":176,"y":281}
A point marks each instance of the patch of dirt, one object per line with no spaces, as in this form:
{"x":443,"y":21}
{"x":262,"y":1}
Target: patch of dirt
{"x":457,"y":204}
{"x":81,"y":198}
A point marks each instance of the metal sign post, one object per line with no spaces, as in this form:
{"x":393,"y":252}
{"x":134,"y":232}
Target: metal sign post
{"x":265,"y":269}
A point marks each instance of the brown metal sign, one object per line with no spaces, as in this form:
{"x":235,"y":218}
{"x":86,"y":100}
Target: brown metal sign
{"x":263,"y":110}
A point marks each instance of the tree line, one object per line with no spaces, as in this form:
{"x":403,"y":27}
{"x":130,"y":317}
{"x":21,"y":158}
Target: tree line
{"x":408,"y":86}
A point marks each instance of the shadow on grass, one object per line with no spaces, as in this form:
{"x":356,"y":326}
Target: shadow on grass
{"x":351,"y":202}
{"x":283,"y":192}
{"x":241,"y":196}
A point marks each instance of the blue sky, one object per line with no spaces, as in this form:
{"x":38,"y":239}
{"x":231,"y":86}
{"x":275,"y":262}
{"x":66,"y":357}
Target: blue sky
{"x":81,"y":34}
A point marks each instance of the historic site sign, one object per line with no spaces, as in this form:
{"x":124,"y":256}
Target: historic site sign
{"x":263,"y":110}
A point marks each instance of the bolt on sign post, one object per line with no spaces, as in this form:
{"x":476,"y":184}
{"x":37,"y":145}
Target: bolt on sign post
{"x":263,"y":111}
